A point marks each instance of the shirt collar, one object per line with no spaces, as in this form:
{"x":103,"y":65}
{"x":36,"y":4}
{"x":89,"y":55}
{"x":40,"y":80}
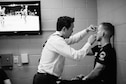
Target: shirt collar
{"x":58,"y":33}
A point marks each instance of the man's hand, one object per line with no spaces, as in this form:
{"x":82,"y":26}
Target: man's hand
{"x":91,"y":28}
{"x":78,"y":77}
{"x":92,"y":39}
{"x":84,"y":78}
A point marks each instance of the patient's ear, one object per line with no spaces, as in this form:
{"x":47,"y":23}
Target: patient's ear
{"x":103,"y":34}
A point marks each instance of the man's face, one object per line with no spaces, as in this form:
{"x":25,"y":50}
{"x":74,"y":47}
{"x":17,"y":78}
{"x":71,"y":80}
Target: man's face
{"x":100,"y":33}
{"x":69,"y":31}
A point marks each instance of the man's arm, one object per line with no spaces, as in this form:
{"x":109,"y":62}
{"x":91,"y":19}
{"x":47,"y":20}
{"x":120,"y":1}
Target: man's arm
{"x":95,"y":72}
{"x":66,"y":50}
{"x":80,"y":35}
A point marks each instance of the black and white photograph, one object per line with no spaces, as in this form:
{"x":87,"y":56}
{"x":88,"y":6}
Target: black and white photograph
{"x":62,"y":41}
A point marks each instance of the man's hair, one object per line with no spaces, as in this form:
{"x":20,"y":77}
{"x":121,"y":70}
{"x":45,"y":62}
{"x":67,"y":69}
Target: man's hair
{"x":109,"y":28}
{"x":64,"y":21}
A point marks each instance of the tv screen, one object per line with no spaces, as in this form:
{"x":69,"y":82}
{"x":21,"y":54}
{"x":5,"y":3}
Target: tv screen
{"x":20,"y":18}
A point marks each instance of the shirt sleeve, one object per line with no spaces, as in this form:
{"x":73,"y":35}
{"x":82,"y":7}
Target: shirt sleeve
{"x":76,"y":37}
{"x":66,"y":50}
{"x":102,"y":59}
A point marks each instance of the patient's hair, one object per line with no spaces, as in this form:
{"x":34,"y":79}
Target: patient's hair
{"x":109,"y":28}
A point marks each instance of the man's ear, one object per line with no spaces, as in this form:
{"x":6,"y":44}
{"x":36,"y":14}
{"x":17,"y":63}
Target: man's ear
{"x":64,"y":29}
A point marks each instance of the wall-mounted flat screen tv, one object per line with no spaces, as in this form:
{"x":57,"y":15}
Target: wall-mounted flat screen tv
{"x":20,"y":18}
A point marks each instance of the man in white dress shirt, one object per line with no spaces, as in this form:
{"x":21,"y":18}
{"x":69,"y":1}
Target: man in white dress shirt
{"x":57,"y":48}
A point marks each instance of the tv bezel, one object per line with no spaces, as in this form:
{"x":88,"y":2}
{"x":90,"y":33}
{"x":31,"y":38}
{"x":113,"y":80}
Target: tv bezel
{"x":14,"y":33}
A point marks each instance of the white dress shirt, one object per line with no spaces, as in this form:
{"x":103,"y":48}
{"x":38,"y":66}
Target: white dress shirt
{"x":56,"y":49}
